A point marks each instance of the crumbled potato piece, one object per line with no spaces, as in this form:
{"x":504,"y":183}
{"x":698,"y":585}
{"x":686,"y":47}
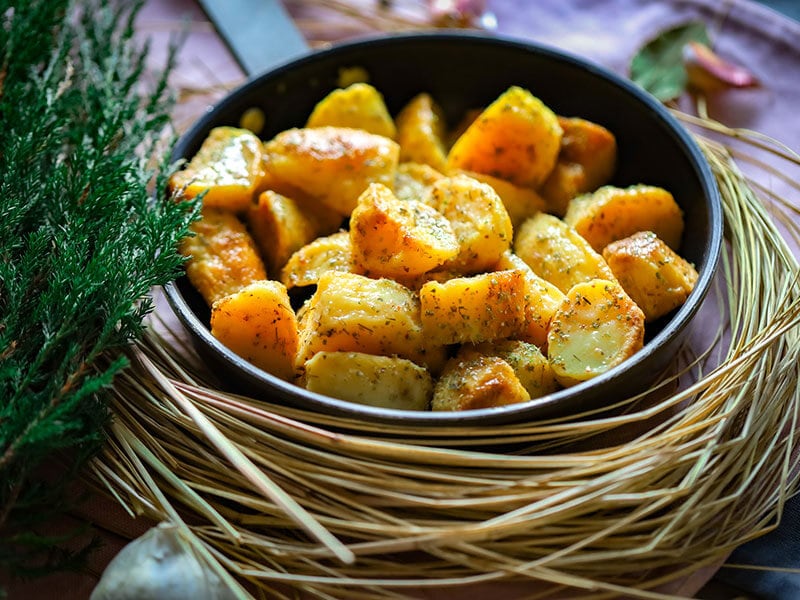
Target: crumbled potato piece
{"x":306,"y":266}
{"x":350,"y":75}
{"x":353,"y":313}
{"x":517,"y":138}
{"x":531,"y":366}
{"x":651,"y":273}
{"x":421,"y":131}
{"x":398,"y":239}
{"x":613,"y":213}
{"x":556,"y":252}
{"x":227,"y":168}
{"x":222,"y":256}
{"x":333,"y":164}
{"x":479,"y":220}
{"x":383,"y":381}
{"x":483,"y":307}
{"x":258,"y":324}
{"x":597,"y":327}
{"x":414,"y":180}
{"x":586,"y":160}
{"x":542,"y":300}
{"x":359,"y":106}
{"x":280,"y":228}
{"x":477,"y":382}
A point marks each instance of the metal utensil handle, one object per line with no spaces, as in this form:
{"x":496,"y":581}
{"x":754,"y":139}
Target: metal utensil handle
{"x":260,"y":33}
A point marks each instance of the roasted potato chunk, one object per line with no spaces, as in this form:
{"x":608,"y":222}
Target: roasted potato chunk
{"x":258,"y":324}
{"x":520,"y":202}
{"x":353,"y":313}
{"x":333,"y":164}
{"x":516,"y":138}
{"x":306,"y":266}
{"x":383,"y":381}
{"x":358,"y":106}
{"x":227,"y":168}
{"x":597,"y":327}
{"x":613,"y":213}
{"x":398,"y":239}
{"x":421,"y":131}
{"x":556,"y":252}
{"x":474,"y":309}
{"x":530,"y":366}
{"x":542,"y":300}
{"x":586,"y":160}
{"x":463,"y":124}
{"x":414,"y":180}
{"x":280,"y":228}
{"x":651,"y":273}
{"x":222,"y":256}
{"x":477,"y":382}
{"x":478,"y":218}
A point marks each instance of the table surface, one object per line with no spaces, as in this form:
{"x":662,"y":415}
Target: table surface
{"x":757,"y":38}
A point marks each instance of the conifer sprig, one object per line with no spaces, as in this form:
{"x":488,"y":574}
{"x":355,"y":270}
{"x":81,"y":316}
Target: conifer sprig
{"x":83,"y":239}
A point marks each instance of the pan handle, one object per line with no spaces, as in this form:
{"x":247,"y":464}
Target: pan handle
{"x":260,"y":33}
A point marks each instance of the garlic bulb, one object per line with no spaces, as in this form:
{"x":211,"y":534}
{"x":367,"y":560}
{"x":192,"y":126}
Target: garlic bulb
{"x":157,"y":566}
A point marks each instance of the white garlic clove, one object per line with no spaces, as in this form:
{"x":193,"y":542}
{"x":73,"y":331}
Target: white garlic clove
{"x":159,"y":565}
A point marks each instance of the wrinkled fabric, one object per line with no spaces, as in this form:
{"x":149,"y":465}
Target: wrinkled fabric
{"x":611,"y":31}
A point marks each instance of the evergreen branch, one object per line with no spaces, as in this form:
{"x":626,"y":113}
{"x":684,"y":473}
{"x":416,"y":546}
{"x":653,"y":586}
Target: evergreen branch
{"x":85,"y":238}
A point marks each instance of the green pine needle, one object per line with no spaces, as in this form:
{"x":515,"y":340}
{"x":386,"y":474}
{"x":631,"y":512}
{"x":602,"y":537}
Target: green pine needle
{"x":83,"y":240}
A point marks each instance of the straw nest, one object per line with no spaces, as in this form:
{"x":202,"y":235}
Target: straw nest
{"x":299,"y":503}
{"x":287,"y":503}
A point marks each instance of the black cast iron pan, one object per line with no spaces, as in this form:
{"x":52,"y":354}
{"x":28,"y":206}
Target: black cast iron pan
{"x":462,"y":71}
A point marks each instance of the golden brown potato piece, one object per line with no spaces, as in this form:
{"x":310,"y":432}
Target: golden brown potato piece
{"x":556,"y":252}
{"x":421,"y":131}
{"x":478,"y":218}
{"x":477,"y":382}
{"x":383,"y":381}
{"x":463,"y":124}
{"x":474,"y":309}
{"x":280,"y":228}
{"x":353,"y":313}
{"x":398,"y":239}
{"x":325,"y":219}
{"x":652,"y":274}
{"x":414,"y":180}
{"x":520,"y":202}
{"x":587,"y":160}
{"x":542,"y":300}
{"x":416,"y":283}
{"x":530,"y":366}
{"x":597,"y":327}
{"x":222,"y":256}
{"x":358,"y":106}
{"x":227,"y":167}
{"x":330,"y":253}
{"x":333,"y":164}
{"x":613,"y":213}
{"x":258,"y":324}
{"x":517,"y":138}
